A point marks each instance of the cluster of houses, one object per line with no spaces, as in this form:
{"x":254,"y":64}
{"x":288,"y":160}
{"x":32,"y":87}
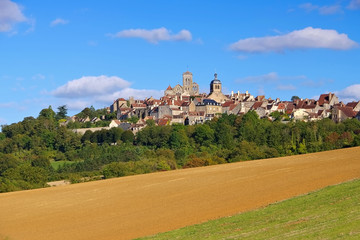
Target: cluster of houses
{"x":185,"y":105}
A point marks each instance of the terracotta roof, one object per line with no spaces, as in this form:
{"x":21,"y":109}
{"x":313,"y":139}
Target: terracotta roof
{"x":352,"y":104}
{"x":232,"y":106}
{"x":125,"y":109}
{"x":184,"y":104}
{"x":256,"y":105}
{"x":313,"y":115}
{"x":260,"y":98}
{"x":162,"y":122}
{"x":281,"y":106}
{"x":348,"y":111}
{"x":324,"y":98}
{"x":227,"y":104}
{"x":169,"y":88}
{"x":120,"y":99}
{"x":138,"y":105}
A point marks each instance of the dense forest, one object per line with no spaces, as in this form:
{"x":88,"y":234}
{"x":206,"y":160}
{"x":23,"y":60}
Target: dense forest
{"x":38,"y":150}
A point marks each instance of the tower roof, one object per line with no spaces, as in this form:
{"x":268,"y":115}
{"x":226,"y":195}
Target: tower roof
{"x":169,"y":88}
{"x":187,"y":73}
{"x":215,"y":80}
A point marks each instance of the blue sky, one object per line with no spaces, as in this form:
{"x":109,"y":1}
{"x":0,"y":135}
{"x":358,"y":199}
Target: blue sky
{"x":83,"y":53}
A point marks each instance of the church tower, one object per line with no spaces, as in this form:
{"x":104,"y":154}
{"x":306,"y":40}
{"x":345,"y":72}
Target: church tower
{"x":215,"y":85}
{"x":189,"y":87}
{"x":187,"y":81}
{"x":215,"y":91}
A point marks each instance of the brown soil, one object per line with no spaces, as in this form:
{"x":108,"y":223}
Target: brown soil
{"x":135,"y":206}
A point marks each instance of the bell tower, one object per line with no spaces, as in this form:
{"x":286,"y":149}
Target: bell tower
{"x":187,"y":81}
{"x":215,"y":85}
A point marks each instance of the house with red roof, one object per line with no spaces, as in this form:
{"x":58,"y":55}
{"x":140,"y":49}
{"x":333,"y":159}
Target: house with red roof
{"x":354,"y":105}
{"x":340,"y":114}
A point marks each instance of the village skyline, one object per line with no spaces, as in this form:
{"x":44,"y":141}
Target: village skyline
{"x":86,"y":53}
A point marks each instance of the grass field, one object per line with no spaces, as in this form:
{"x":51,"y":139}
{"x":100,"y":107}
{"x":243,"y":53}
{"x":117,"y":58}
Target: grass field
{"x":143,"y":205}
{"x":331,"y":213}
{"x":57,"y":164}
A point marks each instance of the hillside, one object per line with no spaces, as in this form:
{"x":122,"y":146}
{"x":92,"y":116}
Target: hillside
{"x":135,"y":206}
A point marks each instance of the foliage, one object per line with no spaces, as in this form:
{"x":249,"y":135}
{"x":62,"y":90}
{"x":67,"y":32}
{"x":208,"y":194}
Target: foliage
{"x":62,"y":112}
{"x":48,"y":150}
{"x":293,"y":98}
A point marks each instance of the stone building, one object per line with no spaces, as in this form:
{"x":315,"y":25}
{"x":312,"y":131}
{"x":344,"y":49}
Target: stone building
{"x":189,"y":87}
{"x":215,"y":91}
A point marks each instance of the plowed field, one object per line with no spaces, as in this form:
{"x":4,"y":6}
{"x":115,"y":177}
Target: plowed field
{"x":135,"y":206}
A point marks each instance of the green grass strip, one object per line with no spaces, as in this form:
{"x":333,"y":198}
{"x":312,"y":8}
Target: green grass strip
{"x":330,"y":213}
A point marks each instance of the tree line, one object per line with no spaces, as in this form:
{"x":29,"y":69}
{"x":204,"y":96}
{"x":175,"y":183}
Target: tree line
{"x":37,"y":150}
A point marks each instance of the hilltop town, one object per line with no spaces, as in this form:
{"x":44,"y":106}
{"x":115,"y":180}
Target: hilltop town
{"x":185,"y":105}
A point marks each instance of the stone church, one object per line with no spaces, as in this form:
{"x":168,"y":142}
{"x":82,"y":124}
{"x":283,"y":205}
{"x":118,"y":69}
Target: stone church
{"x":189,"y":88}
{"x":215,"y":91}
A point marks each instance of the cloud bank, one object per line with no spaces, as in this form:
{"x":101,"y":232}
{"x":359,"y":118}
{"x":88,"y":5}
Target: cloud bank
{"x":354,"y":5}
{"x":155,"y":35}
{"x":59,"y":21}
{"x":90,"y":86}
{"x":323,"y":10}
{"x":94,"y":90}
{"x":10,"y":14}
{"x":300,"y":39}
{"x":271,"y":77}
{"x":351,"y":93}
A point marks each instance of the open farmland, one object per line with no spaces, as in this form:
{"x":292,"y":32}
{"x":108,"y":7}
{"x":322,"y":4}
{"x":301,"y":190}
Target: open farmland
{"x":136,"y":206}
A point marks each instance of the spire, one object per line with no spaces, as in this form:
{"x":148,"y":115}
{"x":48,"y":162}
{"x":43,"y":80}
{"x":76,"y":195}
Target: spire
{"x":215,"y":75}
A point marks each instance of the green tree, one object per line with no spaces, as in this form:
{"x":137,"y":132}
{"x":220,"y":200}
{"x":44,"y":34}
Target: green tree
{"x":8,"y":161}
{"x":293,"y":98}
{"x":47,"y":113}
{"x":127,"y":136}
{"x":204,"y":135}
{"x":62,"y":112}
{"x":178,"y":139}
{"x":133,"y":119}
{"x":224,"y":134}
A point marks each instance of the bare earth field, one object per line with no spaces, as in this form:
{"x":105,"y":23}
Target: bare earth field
{"x":136,"y":206}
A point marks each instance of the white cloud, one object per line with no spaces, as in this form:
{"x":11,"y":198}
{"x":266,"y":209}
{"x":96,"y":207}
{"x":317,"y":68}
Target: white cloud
{"x":38,"y":77}
{"x":59,"y":21}
{"x":354,"y":5}
{"x":94,"y":90}
{"x":288,"y":87}
{"x":78,"y":105}
{"x":328,"y":10}
{"x":154,"y":35}
{"x":323,"y":10}
{"x":242,"y":57}
{"x":10,"y":14}
{"x":131,"y":92}
{"x":269,"y":78}
{"x":266,"y":78}
{"x":300,"y":39}
{"x":351,"y":93}
{"x":8,"y":105}
{"x":308,"y":7}
{"x":90,"y":86}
